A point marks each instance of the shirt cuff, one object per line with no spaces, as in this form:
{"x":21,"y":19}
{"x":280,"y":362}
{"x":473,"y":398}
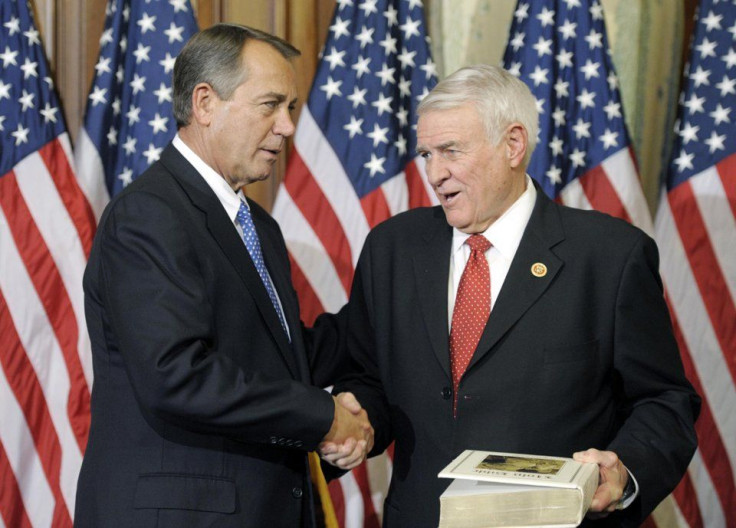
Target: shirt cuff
{"x":631,"y":492}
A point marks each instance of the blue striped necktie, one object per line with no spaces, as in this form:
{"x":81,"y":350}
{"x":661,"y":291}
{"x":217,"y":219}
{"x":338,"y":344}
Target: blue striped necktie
{"x":250,"y":237}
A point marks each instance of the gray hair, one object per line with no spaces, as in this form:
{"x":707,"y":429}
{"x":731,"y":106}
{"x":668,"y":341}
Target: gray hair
{"x":214,"y":56}
{"x":500,"y":97}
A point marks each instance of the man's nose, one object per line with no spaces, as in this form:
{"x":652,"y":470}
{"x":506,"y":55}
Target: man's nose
{"x":284,"y":125}
{"x":436,"y":170}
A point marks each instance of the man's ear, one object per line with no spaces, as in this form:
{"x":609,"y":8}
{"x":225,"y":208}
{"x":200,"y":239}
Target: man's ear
{"x":204,"y":98}
{"x":516,"y":144}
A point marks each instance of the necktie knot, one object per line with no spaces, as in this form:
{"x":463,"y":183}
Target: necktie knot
{"x":478,"y":243}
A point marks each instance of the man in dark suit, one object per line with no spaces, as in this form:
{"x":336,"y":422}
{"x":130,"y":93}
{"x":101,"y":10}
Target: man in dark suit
{"x":206,"y":396}
{"x":503,"y":321}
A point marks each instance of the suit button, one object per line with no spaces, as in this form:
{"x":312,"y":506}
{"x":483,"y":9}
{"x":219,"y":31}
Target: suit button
{"x":296,"y":493}
{"x":273,"y":440}
{"x":446,"y":393}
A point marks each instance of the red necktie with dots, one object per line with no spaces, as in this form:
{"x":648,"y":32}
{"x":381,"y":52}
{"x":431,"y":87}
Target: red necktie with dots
{"x":472,"y":308}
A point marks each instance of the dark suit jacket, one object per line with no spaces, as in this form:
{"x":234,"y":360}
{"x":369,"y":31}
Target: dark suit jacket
{"x":581,"y":357}
{"x":202,"y":411}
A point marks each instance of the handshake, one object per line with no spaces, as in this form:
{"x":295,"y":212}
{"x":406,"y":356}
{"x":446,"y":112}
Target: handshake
{"x":350,"y":438}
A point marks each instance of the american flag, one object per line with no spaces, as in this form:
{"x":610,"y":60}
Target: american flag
{"x":696,"y":232}
{"x":584,"y":158}
{"x":46,"y":230}
{"x":353,"y":165}
{"x":129,"y":117}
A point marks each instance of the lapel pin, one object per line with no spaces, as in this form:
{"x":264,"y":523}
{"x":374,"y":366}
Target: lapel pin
{"x":539,"y":269}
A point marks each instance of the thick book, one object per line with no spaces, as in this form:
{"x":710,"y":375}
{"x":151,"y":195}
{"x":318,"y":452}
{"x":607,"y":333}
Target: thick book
{"x":491,"y":489}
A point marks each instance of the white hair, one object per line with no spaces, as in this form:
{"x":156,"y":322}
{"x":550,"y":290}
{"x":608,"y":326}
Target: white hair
{"x":500,"y":97}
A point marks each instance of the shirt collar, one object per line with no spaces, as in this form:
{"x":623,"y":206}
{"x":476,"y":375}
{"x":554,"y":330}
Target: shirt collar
{"x":229,"y":199}
{"x":506,"y":232}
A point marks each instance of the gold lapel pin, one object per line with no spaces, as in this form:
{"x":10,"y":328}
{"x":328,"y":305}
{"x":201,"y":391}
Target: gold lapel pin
{"x":539,"y":269}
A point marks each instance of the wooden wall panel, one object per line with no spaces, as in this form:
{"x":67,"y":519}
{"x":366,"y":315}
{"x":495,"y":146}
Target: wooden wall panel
{"x":78,"y":27}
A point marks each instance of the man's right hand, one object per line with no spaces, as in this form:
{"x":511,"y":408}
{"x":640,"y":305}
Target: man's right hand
{"x":350,"y":438}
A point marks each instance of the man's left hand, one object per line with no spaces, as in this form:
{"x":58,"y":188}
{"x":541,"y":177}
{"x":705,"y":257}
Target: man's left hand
{"x":612,"y":480}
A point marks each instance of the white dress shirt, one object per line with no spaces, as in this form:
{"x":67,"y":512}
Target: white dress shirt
{"x":504,"y":234}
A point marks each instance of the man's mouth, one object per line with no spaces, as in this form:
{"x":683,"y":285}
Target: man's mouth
{"x":448,"y":198}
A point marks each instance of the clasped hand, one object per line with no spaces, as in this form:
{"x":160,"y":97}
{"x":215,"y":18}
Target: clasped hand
{"x":612,"y":480}
{"x":350,"y":438}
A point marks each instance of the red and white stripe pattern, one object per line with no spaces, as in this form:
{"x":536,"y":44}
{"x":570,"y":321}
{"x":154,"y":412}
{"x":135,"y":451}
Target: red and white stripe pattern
{"x":696,"y":232}
{"x":46,"y":231}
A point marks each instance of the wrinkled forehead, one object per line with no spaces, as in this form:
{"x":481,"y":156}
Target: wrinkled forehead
{"x":440,"y":126}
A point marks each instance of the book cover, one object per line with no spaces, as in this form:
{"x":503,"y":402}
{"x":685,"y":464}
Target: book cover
{"x":493,"y":489}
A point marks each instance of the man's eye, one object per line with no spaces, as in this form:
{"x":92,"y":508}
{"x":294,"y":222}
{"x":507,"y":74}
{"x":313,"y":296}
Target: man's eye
{"x":425,"y":155}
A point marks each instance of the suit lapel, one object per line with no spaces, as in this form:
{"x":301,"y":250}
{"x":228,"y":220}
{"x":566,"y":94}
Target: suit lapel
{"x":226,"y":236}
{"x":522,"y":288}
{"x":431,"y":271}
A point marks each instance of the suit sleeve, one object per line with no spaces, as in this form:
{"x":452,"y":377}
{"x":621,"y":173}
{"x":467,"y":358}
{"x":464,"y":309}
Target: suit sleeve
{"x":656,"y":439}
{"x":325,"y":342}
{"x":364,"y":376}
{"x":160,"y":321}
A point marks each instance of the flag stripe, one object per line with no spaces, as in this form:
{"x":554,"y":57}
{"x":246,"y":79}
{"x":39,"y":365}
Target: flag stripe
{"x":685,"y":494}
{"x":697,"y":330}
{"x":89,"y":168}
{"x":27,"y":390}
{"x":76,"y":206}
{"x":375,"y":207}
{"x":619,"y":167}
{"x":338,"y":501}
{"x":698,"y":336}
{"x":708,"y":275}
{"x":370,"y":519}
{"x":12,"y":512}
{"x":711,"y":446}
{"x":38,"y":184}
{"x":25,"y":313}
{"x":727,"y":173}
{"x":420,"y":192}
{"x":309,"y":254}
{"x":396,"y":193}
{"x":720,"y":224}
{"x":601,"y":194}
{"x":353,"y":502}
{"x":328,"y":173}
{"x":37,"y":498}
{"x":573,"y":195}
{"x":315,"y":207}
{"x":310,"y":306}
{"x":53,"y":295}
{"x":709,"y":503}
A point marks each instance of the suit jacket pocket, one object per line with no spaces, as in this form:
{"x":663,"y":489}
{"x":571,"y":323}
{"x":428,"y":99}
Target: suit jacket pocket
{"x":185,"y":492}
{"x":575,"y":352}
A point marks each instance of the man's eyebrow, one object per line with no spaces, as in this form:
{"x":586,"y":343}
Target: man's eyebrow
{"x":447,"y":144}
{"x":274,"y":95}
{"x":442,"y":146}
{"x":278,"y":96}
